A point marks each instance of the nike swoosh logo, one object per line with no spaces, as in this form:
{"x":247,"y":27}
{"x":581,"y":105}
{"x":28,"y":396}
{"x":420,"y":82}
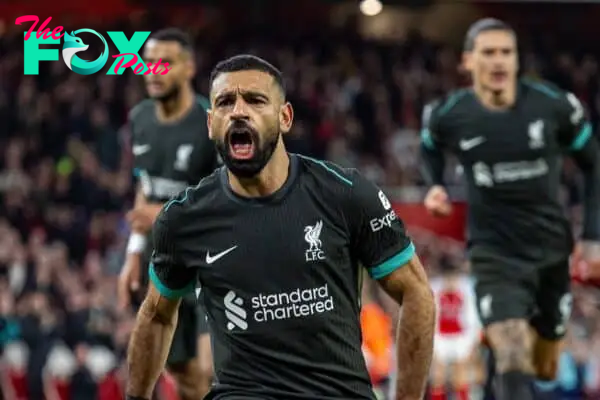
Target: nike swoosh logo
{"x":470,"y":143}
{"x":140,"y":149}
{"x":210,"y":260}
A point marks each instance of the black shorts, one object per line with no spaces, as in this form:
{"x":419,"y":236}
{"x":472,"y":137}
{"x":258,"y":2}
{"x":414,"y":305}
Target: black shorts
{"x":191,"y":323}
{"x":512,"y":288}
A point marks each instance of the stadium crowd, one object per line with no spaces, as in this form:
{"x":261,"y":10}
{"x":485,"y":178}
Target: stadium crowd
{"x":65,"y":182}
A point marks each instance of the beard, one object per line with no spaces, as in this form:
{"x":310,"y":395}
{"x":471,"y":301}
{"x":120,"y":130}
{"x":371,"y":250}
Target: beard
{"x":247,"y":168}
{"x":169,"y":94}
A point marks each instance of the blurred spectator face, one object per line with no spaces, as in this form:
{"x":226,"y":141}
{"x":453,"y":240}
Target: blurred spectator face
{"x":39,"y":303}
{"x":26,"y":92}
{"x":44,"y":106}
{"x":59,"y":254}
{"x":565,"y":62}
{"x":248,"y":115}
{"x":89,"y":164}
{"x":93,"y":265}
{"x":36,"y":241}
{"x":77,"y":301}
{"x":45,"y":173}
{"x":99,"y":116}
{"x":81,"y":352}
{"x":14,"y":154}
{"x":7,"y":304}
{"x":162,"y":87}
{"x":493,"y":62}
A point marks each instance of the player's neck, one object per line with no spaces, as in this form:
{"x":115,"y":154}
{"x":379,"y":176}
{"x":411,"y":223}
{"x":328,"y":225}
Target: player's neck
{"x":269,"y":180}
{"x":175,"y":108}
{"x":495,"y":100}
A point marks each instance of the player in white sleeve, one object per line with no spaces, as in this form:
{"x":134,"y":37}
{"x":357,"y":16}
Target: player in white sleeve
{"x":457,"y":332}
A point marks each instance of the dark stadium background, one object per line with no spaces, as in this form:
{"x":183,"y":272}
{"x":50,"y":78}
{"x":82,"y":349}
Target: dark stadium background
{"x":358,"y":84}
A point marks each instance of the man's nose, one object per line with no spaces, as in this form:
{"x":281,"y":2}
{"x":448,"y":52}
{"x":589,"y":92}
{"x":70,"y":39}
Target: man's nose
{"x":240,"y":109}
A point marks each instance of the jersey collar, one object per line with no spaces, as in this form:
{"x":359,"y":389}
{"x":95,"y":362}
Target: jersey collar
{"x":272,"y":198}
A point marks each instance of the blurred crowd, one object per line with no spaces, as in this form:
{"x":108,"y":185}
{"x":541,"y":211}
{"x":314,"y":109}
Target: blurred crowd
{"x":65,"y":181}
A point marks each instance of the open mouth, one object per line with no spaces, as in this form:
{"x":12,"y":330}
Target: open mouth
{"x":241,"y":145}
{"x":155,"y":85}
{"x":499,"y":76}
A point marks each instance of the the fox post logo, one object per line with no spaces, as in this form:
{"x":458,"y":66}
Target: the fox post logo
{"x":128,"y":56}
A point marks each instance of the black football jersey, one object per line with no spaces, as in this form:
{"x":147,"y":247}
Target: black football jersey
{"x":281,"y":277}
{"x":512,"y":161}
{"x":170,"y":156}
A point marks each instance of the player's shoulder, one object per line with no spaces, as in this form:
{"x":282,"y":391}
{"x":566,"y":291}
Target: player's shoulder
{"x":193,"y":197}
{"x":202,"y":102}
{"x":141,"y":110}
{"x":337,"y":185}
{"x":326,"y":173}
{"x":543,"y":90}
{"x":202,"y":105}
{"x":447,"y":104}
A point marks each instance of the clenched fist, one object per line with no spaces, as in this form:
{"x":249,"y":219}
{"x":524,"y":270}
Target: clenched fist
{"x":437,"y":201}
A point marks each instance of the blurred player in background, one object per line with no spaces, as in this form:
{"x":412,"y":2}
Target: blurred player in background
{"x":377,"y":339}
{"x":510,"y":135}
{"x":457,"y":332}
{"x":172,"y":151}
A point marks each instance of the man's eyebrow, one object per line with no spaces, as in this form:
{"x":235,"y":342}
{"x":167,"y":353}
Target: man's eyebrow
{"x":250,"y":92}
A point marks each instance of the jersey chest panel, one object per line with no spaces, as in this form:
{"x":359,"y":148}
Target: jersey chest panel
{"x":509,"y":150}
{"x":182,"y":151}
{"x":289,"y":250}
{"x":279,"y":265}
{"x":527,"y":133}
{"x":176,"y":156}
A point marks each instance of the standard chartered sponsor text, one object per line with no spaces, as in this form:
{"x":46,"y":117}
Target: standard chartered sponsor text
{"x":297,"y":303}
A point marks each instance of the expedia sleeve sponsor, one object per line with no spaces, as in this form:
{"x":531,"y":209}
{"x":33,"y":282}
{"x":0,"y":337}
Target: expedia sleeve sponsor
{"x":379,"y":237}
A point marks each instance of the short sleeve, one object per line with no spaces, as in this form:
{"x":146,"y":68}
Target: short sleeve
{"x":168,"y":272}
{"x":574,"y":128}
{"x":430,"y":127}
{"x":379,"y":238}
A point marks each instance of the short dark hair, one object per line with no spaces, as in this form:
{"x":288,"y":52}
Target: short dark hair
{"x":174,"y":35}
{"x":484,"y":25}
{"x":247,"y":62}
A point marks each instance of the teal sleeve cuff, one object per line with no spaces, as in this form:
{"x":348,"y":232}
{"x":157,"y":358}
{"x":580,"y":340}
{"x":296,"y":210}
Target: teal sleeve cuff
{"x":426,"y":139}
{"x":393,"y":263}
{"x":165,"y":291}
{"x":582,"y":137}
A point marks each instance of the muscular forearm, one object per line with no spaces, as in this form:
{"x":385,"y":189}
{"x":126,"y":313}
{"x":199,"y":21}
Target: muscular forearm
{"x":140,"y":197}
{"x":148,"y":350}
{"x":142,"y":217}
{"x":137,"y":240}
{"x":141,"y":201}
{"x":433,"y":165}
{"x":415,"y":343}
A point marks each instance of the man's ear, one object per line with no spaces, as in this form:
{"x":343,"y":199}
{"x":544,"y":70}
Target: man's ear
{"x":209,"y":122}
{"x":286,"y":117}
